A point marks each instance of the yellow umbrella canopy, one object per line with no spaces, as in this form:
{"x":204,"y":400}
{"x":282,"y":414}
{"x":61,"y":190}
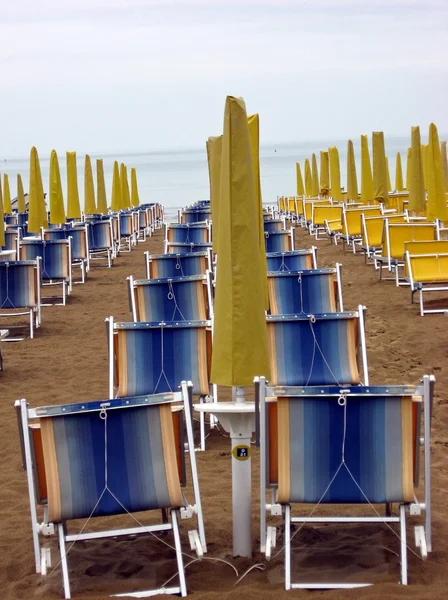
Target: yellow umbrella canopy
{"x":335,"y":173}
{"x":100,"y":187}
{"x":214,"y":148}
{"x":89,"y":188}
{"x":444,"y":163}
{"x":324,"y":173}
{"x":240,"y":343}
{"x":398,"y":174}
{"x":389,"y":182}
{"x":7,"y":208}
{"x":425,"y":164}
{"x":408,"y":168}
{"x":135,"y":199}
{"x":57,"y":210}
{"x":21,"y":206}
{"x":352,"y":181}
{"x":2,"y":220}
{"x":73,"y":206}
{"x":37,"y":215}
{"x":366,"y":172}
{"x":125,"y":195}
{"x":299,"y":181}
{"x":314,"y":176}
{"x":308,"y":179}
{"x":437,"y":208}
{"x":380,"y":183}
{"x":416,"y":183}
{"x":116,"y":189}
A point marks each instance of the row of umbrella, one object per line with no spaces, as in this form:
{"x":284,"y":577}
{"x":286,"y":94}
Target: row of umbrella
{"x":122,"y":197}
{"x":426,"y":174}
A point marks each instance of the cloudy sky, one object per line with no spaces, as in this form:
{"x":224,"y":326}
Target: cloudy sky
{"x":131,"y":75}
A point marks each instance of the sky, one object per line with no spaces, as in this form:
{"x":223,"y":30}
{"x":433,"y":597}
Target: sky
{"x":135,"y":75}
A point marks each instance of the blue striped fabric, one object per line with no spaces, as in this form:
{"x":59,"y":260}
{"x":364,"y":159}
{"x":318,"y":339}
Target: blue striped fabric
{"x":11,"y":219}
{"x":126,"y":224}
{"x":165,"y":266}
{"x":188,"y":234}
{"x":136,"y":467}
{"x":278,"y":241}
{"x":142,"y":218}
{"x":294,"y":260}
{"x":100,"y":237}
{"x":18,"y":284}
{"x":273,"y":225}
{"x":78,"y":235}
{"x":179,"y":248}
{"x":144,"y":369}
{"x":170,"y":299}
{"x":378,"y":449}
{"x":296,"y":358}
{"x":11,"y":239}
{"x":196,"y":215}
{"x":54,"y":255}
{"x":302,"y":292}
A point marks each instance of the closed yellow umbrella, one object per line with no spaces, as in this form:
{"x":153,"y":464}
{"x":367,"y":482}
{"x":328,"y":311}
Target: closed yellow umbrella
{"x":125,"y":195}
{"x":389,"y":182}
{"x":89,"y":188}
{"x":2,"y":220}
{"x":425,"y":164}
{"x":308,"y":179}
{"x":214,"y":148}
{"x":21,"y":205}
{"x":437,"y":207}
{"x":135,"y":199}
{"x":57,"y":209}
{"x":444,"y":163}
{"x":240,"y":344}
{"x":335,"y":173}
{"x":100,"y":188}
{"x":366,"y":172}
{"x":116,"y":189}
{"x":380,"y":183}
{"x":416,"y":183}
{"x":7,"y":208}
{"x":37,"y":215}
{"x":398,"y":174}
{"x":314,"y":176}
{"x":324,"y":173}
{"x":299,"y":181}
{"x":254,"y":137}
{"x":408,"y":168}
{"x":352,"y":181}
{"x":73,"y":206}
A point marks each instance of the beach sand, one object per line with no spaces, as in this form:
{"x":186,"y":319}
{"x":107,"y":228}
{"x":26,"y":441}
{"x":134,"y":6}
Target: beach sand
{"x":67,"y":362}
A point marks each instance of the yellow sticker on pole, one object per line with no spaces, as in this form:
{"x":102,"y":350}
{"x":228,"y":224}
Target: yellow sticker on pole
{"x":241,"y":452}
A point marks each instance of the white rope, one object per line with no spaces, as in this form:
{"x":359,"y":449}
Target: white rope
{"x":162,"y":358}
{"x":312,"y":320}
{"x":172,"y":296}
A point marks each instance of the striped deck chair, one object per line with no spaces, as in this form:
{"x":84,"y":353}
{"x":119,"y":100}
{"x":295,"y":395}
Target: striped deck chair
{"x":20,"y":289}
{"x":351,"y":233}
{"x":426,"y":270}
{"x":126,"y":231}
{"x":372,"y":233}
{"x":101,"y":241}
{"x":194,"y":233}
{"x":354,"y":446}
{"x":280,"y":241}
{"x":305,"y":292}
{"x":56,"y":257}
{"x":187,"y":264}
{"x":271,"y":225}
{"x":80,"y":247}
{"x":178,"y":298}
{"x":149,"y":358}
{"x":12,"y":241}
{"x":106,"y":458}
{"x":296,"y":260}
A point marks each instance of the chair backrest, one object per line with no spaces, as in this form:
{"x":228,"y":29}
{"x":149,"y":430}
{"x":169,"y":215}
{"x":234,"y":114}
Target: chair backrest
{"x":79,"y":239}
{"x":179,"y":248}
{"x":152,"y":358}
{"x":195,"y":215}
{"x":55,"y":255}
{"x":100,"y":234}
{"x":292,"y":205}
{"x":351,"y":224}
{"x":179,"y":298}
{"x":427,"y":247}
{"x":11,"y":236}
{"x":295,"y":260}
{"x":303,"y":292}
{"x":326,"y":349}
{"x":426,"y":268}
{"x":126,"y":221}
{"x":372,"y":428}
{"x":196,"y":233}
{"x":19,"y":284}
{"x":372,"y":228}
{"x":279,"y":241}
{"x":137,"y":438}
{"x":395,"y":235}
{"x":164,"y":266}
{"x":274,"y":225}
{"x":326,"y":212}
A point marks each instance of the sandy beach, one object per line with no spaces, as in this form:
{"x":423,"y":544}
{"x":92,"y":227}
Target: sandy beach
{"x":67,"y":362}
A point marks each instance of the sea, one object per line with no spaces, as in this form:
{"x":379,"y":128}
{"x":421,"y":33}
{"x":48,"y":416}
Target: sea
{"x":178,"y":177}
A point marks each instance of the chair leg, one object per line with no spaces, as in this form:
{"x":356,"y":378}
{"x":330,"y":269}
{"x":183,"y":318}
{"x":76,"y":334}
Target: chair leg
{"x":64,"y":566}
{"x":177,"y":545}
{"x":287,"y":547}
{"x":422,"y":309}
{"x":403,"y":549}
{"x":31,"y":323}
